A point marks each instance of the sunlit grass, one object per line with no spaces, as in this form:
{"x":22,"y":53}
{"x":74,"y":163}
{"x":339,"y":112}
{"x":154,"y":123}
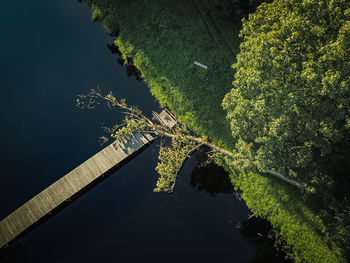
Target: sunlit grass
{"x":175,"y":35}
{"x":164,"y":38}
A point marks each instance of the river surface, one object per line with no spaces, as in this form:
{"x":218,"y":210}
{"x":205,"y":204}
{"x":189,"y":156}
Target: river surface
{"x":51,"y":51}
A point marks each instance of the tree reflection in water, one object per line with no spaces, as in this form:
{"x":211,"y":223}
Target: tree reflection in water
{"x":15,"y":252}
{"x":259,"y":233}
{"x":211,"y":178}
{"x":214,"y":179}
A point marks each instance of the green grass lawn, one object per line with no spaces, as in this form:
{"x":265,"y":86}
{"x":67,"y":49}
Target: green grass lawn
{"x":164,"y":38}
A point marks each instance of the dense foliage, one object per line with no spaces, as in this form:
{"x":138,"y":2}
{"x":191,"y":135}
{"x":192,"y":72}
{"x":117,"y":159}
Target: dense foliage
{"x":290,"y":105}
{"x":171,"y":159}
{"x":163,"y":38}
{"x":290,"y":112}
{"x":296,"y":219}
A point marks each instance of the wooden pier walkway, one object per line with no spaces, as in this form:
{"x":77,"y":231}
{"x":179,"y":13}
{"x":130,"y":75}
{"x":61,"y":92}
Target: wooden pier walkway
{"x":69,"y":185}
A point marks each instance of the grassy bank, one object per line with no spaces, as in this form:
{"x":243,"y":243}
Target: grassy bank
{"x":164,"y":38}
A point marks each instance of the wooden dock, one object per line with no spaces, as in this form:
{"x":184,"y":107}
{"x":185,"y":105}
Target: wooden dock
{"x":165,"y":118}
{"x":69,"y":185}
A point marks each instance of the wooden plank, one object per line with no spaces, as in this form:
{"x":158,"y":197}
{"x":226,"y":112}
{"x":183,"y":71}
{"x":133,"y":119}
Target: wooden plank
{"x":148,"y":136}
{"x":69,"y":185}
{"x":165,"y":118}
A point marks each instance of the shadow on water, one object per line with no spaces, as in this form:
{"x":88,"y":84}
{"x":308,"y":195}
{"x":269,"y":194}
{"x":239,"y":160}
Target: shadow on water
{"x":131,"y":70}
{"x":213,"y":179}
{"x":13,"y":246}
{"x":14,"y":253}
{"x":259,"y":233}
{"x":210,"y":177}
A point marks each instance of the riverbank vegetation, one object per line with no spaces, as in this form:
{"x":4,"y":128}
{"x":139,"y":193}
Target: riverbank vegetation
{"x":160,"y":37}
{"x":290,"y":105}
{"x":164,"y":38}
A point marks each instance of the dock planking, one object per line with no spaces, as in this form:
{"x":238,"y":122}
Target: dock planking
{"x":69,"y":185}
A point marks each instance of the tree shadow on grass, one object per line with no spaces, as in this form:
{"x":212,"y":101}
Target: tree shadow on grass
{"x":327,"y":220}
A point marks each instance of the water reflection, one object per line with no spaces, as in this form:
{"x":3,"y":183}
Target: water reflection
{"x":211,"y":178}
{"x":259,"y":233}
{"x":214,"y":179}
{"x":14,"y":253}
{"x":131,"y":70}
{"x":114,"y":49}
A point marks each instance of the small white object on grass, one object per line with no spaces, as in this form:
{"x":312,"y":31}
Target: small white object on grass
{"x":200,"y":65}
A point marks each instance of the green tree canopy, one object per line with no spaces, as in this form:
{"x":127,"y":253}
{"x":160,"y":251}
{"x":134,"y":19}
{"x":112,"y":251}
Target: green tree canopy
{"x":290,"y":108}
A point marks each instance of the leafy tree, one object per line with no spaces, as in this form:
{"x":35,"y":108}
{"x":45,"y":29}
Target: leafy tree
{"x":171,"y":158}
{"x":290,"y":105}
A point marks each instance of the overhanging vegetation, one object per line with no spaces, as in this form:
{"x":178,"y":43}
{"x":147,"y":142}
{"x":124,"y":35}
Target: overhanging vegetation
{"x":163,"y":39}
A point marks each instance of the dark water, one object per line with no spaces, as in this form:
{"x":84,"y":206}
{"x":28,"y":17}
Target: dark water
{"x":50,"y":51}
